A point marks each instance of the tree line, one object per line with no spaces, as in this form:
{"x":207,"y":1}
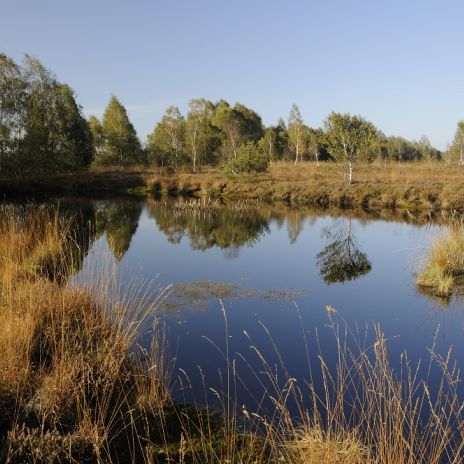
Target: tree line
{"x":42,"y":130}
{"x":41,"y":126}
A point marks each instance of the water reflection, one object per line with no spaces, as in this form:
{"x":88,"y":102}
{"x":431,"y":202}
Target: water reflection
{"x":291,"y":248}
{"x":75,"y":223}
{"x":229,"y":228}
{"x":341,"y":260}
{"x":439,"y":301}
{"x":296,"y":220}
{"x":226,"y":228}
{"x":119,"y":221}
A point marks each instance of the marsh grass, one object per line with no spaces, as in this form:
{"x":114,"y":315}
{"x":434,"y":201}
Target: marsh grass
{"x":70,"y":371}
{"x":358,"y":409}
{"x":361,"y":409}
{"x":444,"y":264}
{"x":76,"y":386}
{"x":414,"y":186}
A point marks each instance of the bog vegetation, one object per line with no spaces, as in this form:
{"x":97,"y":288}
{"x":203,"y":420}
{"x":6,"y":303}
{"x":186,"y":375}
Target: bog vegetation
{"x":75,"y":386}
{"x":42,"y":130}
{"x":443,"y":269}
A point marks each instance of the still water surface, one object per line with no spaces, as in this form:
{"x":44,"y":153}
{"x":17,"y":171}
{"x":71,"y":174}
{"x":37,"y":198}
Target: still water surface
{"x":269,"y":265}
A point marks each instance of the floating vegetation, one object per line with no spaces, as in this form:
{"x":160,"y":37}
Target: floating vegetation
{"x":197,"y":294}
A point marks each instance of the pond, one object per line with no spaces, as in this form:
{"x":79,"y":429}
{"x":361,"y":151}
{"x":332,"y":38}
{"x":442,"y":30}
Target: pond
{"x":252,"y":277}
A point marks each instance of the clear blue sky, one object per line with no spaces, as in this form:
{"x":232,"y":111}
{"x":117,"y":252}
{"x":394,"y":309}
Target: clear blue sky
{"x":398,"y":63}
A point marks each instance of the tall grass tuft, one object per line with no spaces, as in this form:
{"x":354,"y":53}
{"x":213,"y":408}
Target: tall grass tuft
{"x":444,"y":266}
{"x":71,"y":372}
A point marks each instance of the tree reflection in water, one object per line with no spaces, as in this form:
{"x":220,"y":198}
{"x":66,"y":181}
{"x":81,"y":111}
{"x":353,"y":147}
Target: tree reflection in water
{"x":341,"y":260}
{"x":119,"y":221}
{"x":226,"y":228}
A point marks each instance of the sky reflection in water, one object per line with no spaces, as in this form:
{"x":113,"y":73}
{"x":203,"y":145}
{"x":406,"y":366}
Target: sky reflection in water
{"x":363,"y":268}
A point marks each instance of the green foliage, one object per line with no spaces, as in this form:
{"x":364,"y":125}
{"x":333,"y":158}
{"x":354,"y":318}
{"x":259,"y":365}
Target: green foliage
{"x":119,"y":221}
{"x":237,"y":125}
{"x":120,"y":143}
{"x":42,"y":129}
{"x":275,"y":141}
{"x":166,"y":144}
{"x":250,"y":158}
{"x":70,"y":139}
{"x":317,"y":145}
{"x":251,"y":124}
{"x":457,"y":147}
{"x":202,"y":138}
{"x":298,"y":134}
{"x":400,"y":149}
{"x":228,"y":121}
{"x":427,"y":152}
{"x":96,"y":132}
{"x":13,"y":101}
{"x":349,"y":136}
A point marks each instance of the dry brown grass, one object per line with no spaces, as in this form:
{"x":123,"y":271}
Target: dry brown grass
{"x":68,"y":366}
{"x":367,"y":411}
{"x":369,"y":173}
{"x":313,"y":446}
{"x":444,"y":264}
{"x":429,"y":186}
{"x":75,"y":386}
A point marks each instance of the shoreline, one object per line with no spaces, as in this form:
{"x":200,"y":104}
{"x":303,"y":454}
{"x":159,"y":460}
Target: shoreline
{"x":427,"y":187}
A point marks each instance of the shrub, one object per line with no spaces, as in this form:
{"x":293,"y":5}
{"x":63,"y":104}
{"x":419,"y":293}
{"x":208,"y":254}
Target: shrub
{"x":250,"y":158}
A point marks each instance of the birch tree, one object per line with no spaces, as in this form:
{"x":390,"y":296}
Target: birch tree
{"x":348,"y":136}
{"x":201,"y":137}
{"x":166,"y":144}
{"x":13,"y":105}
{"x":458,"y":142}
{"x":297,"y":133}
{"x":274,"y":141}
{"x":96,"y":132}
{"x":268,"y":142}
{"x":228,"y":120}
{"x":56,"y":136}
{"x":238,"y":125}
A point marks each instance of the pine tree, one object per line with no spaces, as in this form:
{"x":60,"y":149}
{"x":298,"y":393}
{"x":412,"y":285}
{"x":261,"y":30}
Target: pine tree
{"x":120,"y":143}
